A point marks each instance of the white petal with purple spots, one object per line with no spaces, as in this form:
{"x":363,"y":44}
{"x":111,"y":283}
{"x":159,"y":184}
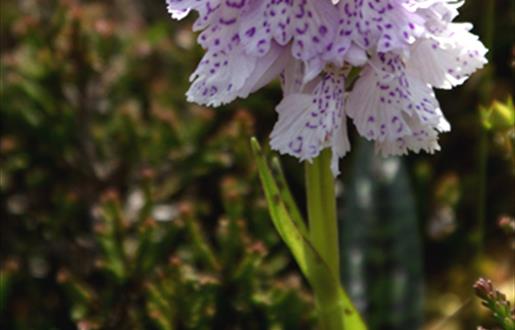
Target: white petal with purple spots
{"x":311,"y":118}
{"x":384,"y":97}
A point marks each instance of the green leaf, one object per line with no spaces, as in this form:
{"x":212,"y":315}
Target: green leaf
{"x":294,"y":233}
{"x":499,"y":116}
{"x":286,"y":195}
{"x":286,"y":227}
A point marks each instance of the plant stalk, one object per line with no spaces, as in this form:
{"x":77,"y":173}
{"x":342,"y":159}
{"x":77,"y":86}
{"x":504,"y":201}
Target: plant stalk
{"x":323,"y":232}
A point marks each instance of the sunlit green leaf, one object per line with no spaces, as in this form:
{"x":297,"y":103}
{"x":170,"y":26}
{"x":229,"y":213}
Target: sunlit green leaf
{"x":286,"y":195}
{"x":499,"y":116}
{"x":294,"y":236}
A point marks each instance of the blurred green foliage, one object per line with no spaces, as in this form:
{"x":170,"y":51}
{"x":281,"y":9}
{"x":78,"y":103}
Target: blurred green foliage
{"x":125,"y":207}
{"x":383,"y":272}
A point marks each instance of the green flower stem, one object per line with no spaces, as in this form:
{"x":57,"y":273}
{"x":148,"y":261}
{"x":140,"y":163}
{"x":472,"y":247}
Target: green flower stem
{"x":323,"y":232}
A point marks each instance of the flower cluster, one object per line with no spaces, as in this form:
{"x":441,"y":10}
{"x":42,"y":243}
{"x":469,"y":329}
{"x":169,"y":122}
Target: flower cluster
{"x":402,"y":48}
{"x":496,"y":302}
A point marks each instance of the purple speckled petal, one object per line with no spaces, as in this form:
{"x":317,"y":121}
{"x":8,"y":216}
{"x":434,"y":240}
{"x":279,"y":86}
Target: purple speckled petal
{"x":385,"y":98}
{"x":311,"y":117}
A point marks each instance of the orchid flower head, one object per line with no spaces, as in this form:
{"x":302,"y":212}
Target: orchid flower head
{"x":403,"y":48}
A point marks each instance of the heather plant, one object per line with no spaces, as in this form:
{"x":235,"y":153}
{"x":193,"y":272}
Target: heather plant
{"x":496,"y":302}
{"x":124,"y":243}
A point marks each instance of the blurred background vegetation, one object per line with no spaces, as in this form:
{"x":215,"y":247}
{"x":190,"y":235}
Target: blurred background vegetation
{"x":125,"y":207}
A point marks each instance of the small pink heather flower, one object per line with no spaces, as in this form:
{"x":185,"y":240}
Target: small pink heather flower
{"x":404,"y":48}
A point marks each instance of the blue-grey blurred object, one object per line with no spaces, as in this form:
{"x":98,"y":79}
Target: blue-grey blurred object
{"x":380,"y":241}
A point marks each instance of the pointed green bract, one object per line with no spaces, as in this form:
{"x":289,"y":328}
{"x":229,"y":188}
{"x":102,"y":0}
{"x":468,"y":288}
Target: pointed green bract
{"x":286,"y":195}
{"x":289,"y":231}
{"x":294,"y":233}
